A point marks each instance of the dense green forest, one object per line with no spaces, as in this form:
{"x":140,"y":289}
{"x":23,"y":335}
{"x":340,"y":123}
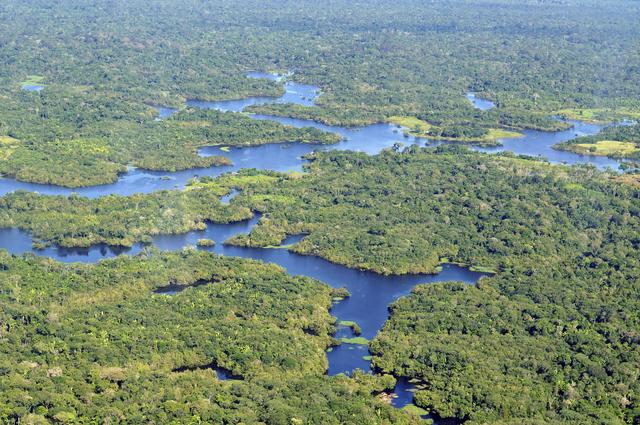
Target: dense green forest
{"x":614,"y":141}
{"x":552,"y":336}
{"x":87,"y":139}
{"x":102,"y":62}
{"x":115,"y":220}
{"x":85,"y":344}
{"x":76,"y":221}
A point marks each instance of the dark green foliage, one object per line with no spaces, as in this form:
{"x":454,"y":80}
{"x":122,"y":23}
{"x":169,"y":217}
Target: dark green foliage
{"x":551,"y":337}
{"x":93,"y":343}
{"x":115,"y":220}
{"x":58,"y":142}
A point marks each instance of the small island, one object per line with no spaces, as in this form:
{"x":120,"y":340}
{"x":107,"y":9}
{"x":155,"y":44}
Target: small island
{"x":204,"y":243}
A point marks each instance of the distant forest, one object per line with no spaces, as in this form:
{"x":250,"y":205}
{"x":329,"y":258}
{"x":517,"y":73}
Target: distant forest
{"x":102,"y":63}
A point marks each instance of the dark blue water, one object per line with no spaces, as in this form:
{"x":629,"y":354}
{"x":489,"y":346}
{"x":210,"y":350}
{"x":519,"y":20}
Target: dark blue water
{"x":371,"y":293}
{"x":480,"y":103}
{"x":20,"y":242}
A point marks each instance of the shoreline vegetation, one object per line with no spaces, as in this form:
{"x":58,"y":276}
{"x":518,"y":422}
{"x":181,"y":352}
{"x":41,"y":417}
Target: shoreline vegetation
{"x":373,"y":212}
{"x":93,"y":119}
{"x":600,"y":116}
{"x":622,"y":141}
{"x":550,"y":336}
{"x":73,"y":159}
{"x":482,"y":136}
{"x":125,"y":220}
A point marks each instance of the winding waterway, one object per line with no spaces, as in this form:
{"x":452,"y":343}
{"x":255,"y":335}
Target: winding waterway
{"x":371,"y":293}
{"x":370,"y":139}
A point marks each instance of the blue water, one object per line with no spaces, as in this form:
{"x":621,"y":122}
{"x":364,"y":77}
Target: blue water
{"x":31,"y":87}
{"x":480,"y":103}
{"x":368,"y":304}
{"x":301,"y":94}
{"x":164,"y":112}
{"x":266,"y":75}
{"x":370,"y":139}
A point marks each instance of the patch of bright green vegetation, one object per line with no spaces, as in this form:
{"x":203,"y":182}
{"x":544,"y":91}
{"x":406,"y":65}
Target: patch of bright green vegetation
{"x":420,"y":128}
{"x":574,"y":186}
{"x":225,"y":183}
{"x":33,"y":80}
{"x":600,"y":115}
{"x":357,"y":340}
{"x":205,"y":243}
{"x":483,"y":269}
{"x":415,"y":410}
{"x":621,"y":141}
{"x":606,"y":148}
{"x":498,"y":133}
{"x":356,"y":329}
{"x":225,"y":149}
{"x":415,"y":125}
{"x":7,"y":146}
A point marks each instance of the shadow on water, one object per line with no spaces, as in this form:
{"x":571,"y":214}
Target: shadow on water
{"x":176,"y":288}
{"x":222,"y":373}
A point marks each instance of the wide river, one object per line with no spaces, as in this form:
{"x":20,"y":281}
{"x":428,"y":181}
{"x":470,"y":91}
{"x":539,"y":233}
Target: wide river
{"x":371,"y":293}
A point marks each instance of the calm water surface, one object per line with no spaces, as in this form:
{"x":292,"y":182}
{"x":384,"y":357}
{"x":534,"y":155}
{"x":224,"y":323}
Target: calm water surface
{"x":480,"y":103}
{"x":368,"y":304}
{"x":32,"y":87}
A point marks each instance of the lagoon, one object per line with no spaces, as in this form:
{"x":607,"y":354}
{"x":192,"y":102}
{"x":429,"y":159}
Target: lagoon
{"x":480,"y":103}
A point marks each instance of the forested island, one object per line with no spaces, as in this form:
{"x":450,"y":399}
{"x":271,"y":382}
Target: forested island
{"x":518,"y":276}
{"x":615,"y":141}
{"x":562,"y":279}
